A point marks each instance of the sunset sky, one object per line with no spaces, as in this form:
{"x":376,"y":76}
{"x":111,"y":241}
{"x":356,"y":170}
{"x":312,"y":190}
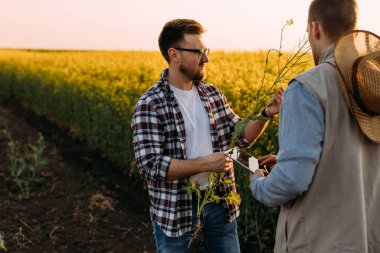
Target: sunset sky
{"x":136,"y":24}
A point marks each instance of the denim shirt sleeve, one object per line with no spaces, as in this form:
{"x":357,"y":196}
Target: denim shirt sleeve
{"x":301,"y":132}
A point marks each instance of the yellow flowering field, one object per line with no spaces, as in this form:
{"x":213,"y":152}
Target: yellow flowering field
{"x":92,"y":93}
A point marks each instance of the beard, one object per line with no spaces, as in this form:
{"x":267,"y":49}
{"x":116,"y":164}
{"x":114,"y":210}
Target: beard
{"x":197,"y":74}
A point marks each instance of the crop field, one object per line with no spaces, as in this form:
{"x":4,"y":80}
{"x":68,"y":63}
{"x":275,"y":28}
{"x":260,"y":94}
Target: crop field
{"x":92,"y":94}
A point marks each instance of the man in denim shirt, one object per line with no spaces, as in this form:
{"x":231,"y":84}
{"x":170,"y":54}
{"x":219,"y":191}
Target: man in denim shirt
{"x":327,"y":174}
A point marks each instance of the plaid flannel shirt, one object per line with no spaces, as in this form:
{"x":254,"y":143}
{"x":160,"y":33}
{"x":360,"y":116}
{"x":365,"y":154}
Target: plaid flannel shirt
{"x":159,"y":135}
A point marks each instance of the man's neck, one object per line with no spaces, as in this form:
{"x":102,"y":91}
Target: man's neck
{"x":178,"y":80}
{"x":323,"y":44}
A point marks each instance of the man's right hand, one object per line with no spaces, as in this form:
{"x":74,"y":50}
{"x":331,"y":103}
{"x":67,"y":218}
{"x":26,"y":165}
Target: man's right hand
{"x":218,"y":162}
{"x":268,"y":160}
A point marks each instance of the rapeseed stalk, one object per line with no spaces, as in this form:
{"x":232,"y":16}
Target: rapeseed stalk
{"x":296,"y":60}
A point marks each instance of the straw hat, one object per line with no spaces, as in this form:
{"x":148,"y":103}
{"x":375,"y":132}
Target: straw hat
{"x":357,"y":57}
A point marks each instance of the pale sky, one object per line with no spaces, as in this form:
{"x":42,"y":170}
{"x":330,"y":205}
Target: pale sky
{"x":136,"y":24}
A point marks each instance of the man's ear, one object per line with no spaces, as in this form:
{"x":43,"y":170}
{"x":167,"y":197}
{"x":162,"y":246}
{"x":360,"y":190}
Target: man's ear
{"x":173,"y":55}
{"x":316,"y":29}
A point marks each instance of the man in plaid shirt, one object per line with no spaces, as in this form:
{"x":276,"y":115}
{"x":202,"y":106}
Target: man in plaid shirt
{"x":181,"y":126}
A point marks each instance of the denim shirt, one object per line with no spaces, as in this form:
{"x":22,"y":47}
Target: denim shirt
{"x":301,"y":133}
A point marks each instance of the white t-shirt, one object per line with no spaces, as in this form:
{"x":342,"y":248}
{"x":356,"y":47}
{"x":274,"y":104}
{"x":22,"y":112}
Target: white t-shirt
{"x":197,"y":128}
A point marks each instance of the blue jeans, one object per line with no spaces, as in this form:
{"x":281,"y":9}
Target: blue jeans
{"x":218,"y":235}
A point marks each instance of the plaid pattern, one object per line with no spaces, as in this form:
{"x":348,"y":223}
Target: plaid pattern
{"x":159,"y":135}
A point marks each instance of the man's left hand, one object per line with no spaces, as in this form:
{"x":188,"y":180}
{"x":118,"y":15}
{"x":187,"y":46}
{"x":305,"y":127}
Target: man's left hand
{"x":274,"y":105}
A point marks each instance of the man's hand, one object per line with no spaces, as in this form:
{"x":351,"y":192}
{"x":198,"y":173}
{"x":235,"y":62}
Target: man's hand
{"x":268,"y":161}
{"x":257,"y":173}
{"x":274,"y":105}
{"x":218,"y":162}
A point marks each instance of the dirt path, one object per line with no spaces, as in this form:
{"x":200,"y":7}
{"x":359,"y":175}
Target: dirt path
{"x":83,"y":204}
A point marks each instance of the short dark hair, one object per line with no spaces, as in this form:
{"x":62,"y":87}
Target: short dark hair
{"x":337,"y":17}
{"x":173,"y":32}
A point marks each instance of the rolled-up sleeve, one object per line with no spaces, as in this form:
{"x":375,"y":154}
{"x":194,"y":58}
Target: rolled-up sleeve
{"x":148,"y":142}
{"x":301,"y":132}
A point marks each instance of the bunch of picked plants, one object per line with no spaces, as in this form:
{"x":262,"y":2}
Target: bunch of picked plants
{"x":215,"y":180}
{"x":294,"y":61}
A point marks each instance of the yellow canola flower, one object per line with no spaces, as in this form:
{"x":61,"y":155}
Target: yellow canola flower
{"x":192,"y":183}
{"x":234,"y":198}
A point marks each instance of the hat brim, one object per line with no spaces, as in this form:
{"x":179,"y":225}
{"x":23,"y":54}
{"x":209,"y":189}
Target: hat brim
{"x":345,"y":54}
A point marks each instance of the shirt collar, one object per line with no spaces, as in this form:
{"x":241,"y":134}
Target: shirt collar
{"x":165,"y":85}
{"x":328,"y":55}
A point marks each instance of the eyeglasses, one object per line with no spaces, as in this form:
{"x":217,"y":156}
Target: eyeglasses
{"x":201,"y":52}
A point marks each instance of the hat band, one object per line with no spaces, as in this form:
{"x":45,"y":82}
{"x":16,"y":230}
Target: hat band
{"x":356,"y":92}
